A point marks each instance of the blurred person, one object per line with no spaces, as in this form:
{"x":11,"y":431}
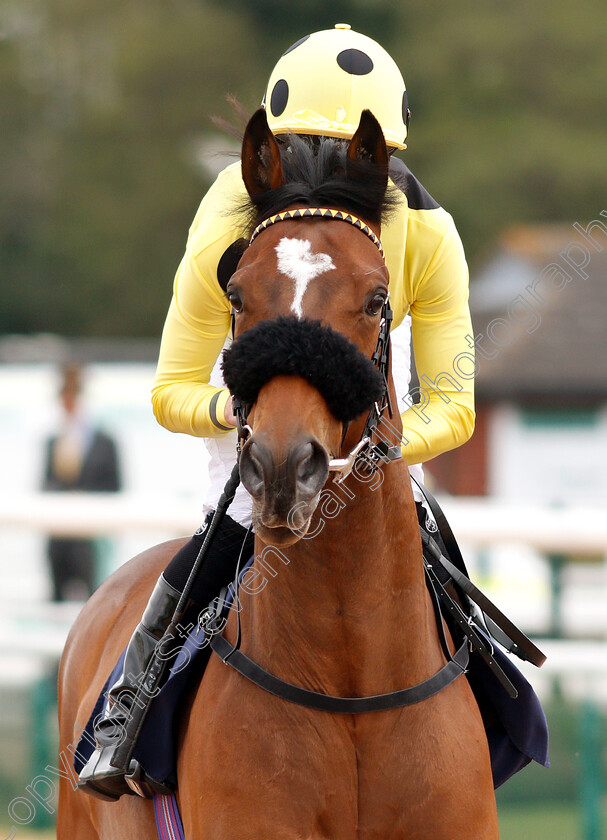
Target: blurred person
{"x":318,"y":88}
{"x":83,"y":459}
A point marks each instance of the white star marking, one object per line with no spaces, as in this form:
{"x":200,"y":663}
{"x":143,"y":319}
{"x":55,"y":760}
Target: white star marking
{"x":296,"y":260}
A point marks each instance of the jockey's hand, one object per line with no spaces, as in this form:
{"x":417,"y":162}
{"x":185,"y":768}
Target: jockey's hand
{"x":229,"y":415}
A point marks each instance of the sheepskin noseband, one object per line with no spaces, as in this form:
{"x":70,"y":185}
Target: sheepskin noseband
{"x":349,"y":382}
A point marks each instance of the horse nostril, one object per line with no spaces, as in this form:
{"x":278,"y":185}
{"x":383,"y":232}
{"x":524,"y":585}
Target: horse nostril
{"x":311,"y":468}
{"x":306,"y":465}
{"x":251,"y":467}
{"x":300,"y":476}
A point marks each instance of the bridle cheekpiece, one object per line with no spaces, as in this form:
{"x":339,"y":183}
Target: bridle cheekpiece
{"x":366,"y":454}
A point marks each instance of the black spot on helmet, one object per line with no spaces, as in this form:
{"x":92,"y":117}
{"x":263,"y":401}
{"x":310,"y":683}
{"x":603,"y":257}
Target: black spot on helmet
{"x":323,"y":82}
{"x":355,"y":62}
{"x":279,"y":97}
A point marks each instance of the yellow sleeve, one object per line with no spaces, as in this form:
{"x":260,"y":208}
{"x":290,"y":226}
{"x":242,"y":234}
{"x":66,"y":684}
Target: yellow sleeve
{"x":194,"y":333}
{"x":198,"y":319}
{"x":440,"y":322}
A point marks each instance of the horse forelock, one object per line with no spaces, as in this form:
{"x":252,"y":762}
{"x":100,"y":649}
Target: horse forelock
{"x":317,"y":173}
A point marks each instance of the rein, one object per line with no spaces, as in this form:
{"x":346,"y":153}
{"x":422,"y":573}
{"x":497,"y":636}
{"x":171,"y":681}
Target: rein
{"x":368,"y":455}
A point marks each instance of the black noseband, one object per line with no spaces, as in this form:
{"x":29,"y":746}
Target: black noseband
{"x":349,"y":382}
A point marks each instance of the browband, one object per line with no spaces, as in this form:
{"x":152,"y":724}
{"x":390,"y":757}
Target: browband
{"x":319,"y":213}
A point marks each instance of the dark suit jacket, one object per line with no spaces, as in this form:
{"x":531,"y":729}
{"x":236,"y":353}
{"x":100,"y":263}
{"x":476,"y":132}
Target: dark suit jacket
{"x":100,"y":471}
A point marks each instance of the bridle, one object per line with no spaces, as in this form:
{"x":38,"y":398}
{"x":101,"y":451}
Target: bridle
{"x":367,"y":454}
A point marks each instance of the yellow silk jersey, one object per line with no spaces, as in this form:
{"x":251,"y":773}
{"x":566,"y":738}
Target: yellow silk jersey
{"x":428,"y":279}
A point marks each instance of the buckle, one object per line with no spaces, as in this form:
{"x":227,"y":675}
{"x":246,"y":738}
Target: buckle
{"x":144,"y":786}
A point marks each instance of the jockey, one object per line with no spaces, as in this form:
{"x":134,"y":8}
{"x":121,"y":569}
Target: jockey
{"x":320,"y":86}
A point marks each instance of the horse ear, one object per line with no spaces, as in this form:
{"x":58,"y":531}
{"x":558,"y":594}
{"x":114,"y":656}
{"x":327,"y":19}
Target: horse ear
{"x":261,"y":165}
{"x":369,"y":144}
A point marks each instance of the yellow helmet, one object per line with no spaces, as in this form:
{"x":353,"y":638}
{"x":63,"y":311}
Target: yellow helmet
{"x":324,"y":81}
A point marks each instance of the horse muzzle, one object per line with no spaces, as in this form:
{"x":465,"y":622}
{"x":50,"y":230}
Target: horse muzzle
{"x":285,"y":489}
{"x":285,"y":463}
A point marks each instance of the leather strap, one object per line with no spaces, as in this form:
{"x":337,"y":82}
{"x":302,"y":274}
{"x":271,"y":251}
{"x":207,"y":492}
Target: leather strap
{"x":434,"y":597}
{"x":513,"y":639}
{"x":340,"y":705}
{"x":479,"y":642}
{"x":507,"y":633}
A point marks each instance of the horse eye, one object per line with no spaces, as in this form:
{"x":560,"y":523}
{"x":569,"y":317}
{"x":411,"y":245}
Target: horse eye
{"x":374,"y":305}
{"x":235,"y":300}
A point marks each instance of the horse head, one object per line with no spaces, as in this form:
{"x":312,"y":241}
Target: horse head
{"x":308,"y":299}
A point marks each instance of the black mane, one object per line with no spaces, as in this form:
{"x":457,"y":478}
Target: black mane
{"x":315,"y":176}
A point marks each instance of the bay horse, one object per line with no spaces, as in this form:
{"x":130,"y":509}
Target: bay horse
{"x":337,"y":602}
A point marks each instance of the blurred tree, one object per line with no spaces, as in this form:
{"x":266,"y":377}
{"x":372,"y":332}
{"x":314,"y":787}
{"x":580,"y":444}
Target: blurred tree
{"x":375,"y":18}
{"x":102,"y":110}
{"x":508,"y":110}
{"x":105,"y":107}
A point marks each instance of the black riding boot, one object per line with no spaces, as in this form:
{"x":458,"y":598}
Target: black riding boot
{"x":101,"y":776}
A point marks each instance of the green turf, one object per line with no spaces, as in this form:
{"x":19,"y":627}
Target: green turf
{"x":546,"y":821}
{"x":549,"y":821}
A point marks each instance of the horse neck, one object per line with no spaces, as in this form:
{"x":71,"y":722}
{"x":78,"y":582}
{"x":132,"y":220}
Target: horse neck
{"x":352,"y":596}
